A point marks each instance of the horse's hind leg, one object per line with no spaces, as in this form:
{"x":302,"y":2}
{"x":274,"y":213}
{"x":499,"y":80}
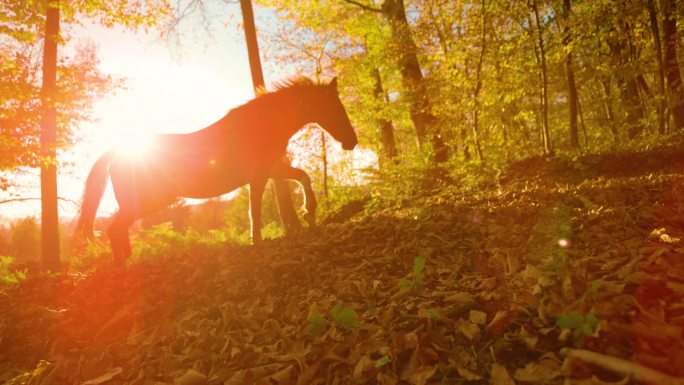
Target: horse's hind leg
{"x":118,"y":237}
{"x":286,"y":171}
{"x":256,"y":193}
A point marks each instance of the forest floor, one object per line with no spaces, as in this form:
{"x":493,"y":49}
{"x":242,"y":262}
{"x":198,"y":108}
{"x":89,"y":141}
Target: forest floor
{"x":561,"y":272}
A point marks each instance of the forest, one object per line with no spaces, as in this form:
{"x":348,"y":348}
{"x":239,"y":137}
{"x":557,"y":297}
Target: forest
{"x":512,"y":213}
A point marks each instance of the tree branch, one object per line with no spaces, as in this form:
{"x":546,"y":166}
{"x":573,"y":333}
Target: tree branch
{"x":364,"y":6}
{"x":13,"y":200}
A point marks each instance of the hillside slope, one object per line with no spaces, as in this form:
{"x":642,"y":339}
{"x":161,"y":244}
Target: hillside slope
{"x":559,"y":255}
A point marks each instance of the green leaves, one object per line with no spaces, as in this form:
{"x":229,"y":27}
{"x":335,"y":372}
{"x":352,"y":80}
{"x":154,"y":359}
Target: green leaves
{"x":317,"y":324}
{"x":581,"y":325}
{"x":382,"y":361}
{"x":416,"y":275}
{"x":343,"y":317}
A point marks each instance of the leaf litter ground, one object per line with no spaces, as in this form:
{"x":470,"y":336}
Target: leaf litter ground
{"x":562,"y":272}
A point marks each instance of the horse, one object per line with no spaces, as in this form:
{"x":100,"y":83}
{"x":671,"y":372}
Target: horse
{"x":247,"y":146}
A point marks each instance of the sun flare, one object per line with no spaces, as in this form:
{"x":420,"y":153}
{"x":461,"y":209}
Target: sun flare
{"x":136,"y":148}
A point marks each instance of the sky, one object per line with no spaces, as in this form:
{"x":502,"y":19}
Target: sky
{"x":165,"y":91}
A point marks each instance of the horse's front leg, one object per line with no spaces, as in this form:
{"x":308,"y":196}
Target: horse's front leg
{"x":285,"y":171}
{"x":118,"y":237}
{"x":256,"y":193}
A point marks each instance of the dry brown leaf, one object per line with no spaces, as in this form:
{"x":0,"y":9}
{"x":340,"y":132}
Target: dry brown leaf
{"x":192,"y":377}
{"x":309,"y":373}
{"x":499,"y":375}
{"x":459,"y":297}
{"x":477,"y":317}
{"x":363,"y":366}
{"x":386,"y":378}
{"x":536,"y":372}
{"x":470,"y":330}
{"x":467,"y":374}
{"x":595,"y":381}
{"x":113,"y":372}
{"x":406,"y":341}
{"x":415,"y":372}
{"x":498,"y":321}
{"x":282,"y":375}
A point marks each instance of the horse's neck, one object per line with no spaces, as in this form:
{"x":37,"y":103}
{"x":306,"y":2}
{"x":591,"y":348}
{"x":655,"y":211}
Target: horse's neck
{"x":272,"y":118}
{"x":288,"y":113}
{"x":299,"y":113}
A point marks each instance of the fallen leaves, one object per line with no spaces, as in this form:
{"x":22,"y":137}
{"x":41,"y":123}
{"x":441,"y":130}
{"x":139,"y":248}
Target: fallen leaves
{"x":485,"y":288}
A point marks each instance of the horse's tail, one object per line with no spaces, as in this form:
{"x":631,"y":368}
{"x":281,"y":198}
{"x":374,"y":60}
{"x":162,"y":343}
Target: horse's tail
{"x":94,"y":189}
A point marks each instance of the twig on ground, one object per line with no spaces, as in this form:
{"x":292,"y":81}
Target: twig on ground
{"x":623,"y":367}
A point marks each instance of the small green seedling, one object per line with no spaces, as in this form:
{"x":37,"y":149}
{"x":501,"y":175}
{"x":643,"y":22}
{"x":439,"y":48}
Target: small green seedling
{"x":317,"y":324}
{"x":416,"y":275}
{"x":344,"y":317}
{"x":593,"y":289}
{"x":581,"y":325}
{"x":382,"y":361}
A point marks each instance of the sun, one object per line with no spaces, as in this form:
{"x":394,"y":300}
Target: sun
{"x":136,"y":148}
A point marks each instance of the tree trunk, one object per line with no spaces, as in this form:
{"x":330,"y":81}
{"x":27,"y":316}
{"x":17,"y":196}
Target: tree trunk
{"x":629,"y":94}
{"x":412,"y":79}
{"x":545,"y":136}
{"x":288,"y":215}
{"x":674,"y":80}
{"x":573,"y":96}
{"x":628,"y":87}
{"x":608,"y":107}
{"x":661,"y":98}
{"x":324,"y":159}
{"x":48,"y":143}
{"x":464,"y":141}
{"x":389,"y":146}
{"x":478,"y":86}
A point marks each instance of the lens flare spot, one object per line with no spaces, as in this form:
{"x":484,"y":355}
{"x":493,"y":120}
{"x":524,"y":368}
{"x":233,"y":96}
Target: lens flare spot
{"x":136,"y":148}
{"x":563,"y":242}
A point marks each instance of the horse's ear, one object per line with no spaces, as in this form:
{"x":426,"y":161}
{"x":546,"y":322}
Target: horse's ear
{"x":333,"y":83}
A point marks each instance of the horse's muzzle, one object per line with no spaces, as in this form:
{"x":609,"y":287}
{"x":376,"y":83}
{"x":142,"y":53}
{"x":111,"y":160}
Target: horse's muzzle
{"x":350,"y":145}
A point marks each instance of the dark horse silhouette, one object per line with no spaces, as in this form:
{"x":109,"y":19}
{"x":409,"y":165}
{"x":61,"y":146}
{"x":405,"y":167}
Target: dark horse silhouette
{"x":247,"y":146}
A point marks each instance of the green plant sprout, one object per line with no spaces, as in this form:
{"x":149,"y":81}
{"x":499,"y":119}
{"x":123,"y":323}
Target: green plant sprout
{"x":581,"y":325}
{"x":343,"y":317}
{"x":416,"y":280}
{"x":317,"y":323}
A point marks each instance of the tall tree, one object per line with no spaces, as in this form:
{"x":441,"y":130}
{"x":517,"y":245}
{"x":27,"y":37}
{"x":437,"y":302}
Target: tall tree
{"x":389,"y":145}
{"x":573,"y":95}
{"x":544,"y":94}
{"x":674,"y":79}
{"x":48,"y":143}
{"x":478,"y":82}
{"x":66,"y":92}
{"x":657,"y":43}
{"x":420,"y":109}
{"x":287,"y":212}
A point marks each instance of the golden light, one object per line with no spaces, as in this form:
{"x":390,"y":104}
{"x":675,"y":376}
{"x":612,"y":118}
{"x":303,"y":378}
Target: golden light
{"x":136,"y":148}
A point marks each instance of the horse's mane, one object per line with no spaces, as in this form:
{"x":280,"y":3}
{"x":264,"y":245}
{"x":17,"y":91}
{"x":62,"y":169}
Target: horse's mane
{"x":291,"y":83}
{"x":298,"y":83}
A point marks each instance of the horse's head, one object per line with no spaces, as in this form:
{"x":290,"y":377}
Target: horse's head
{"x":331,"y":115}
